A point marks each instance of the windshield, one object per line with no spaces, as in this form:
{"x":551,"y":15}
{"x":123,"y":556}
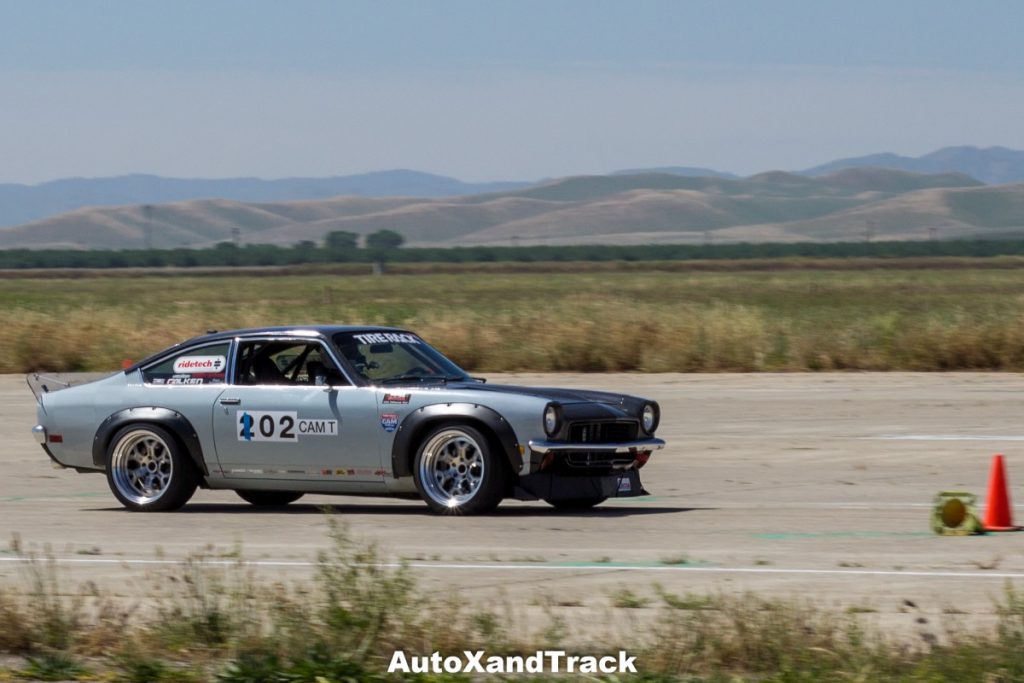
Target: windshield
{"x":396,"y":358}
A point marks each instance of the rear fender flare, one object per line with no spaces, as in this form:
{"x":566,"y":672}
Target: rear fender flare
{"x":410,"y":432}
{"x":172,"y":420}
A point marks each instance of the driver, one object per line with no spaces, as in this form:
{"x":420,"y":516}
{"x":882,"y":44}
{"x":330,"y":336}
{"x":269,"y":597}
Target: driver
{"x":354,"y":356}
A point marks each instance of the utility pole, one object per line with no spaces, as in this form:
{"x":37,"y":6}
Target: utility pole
{"x":147,"y":214}
{"x":869,"y":230}
{"x":236,"y":236}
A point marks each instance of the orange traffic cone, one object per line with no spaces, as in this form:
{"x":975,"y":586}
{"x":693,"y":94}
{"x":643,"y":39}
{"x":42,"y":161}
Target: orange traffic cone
{"x":998,"y":513}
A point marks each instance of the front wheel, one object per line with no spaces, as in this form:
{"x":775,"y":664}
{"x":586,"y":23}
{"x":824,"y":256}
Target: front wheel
{"x":269,"y":498}
{"x":458,"y":472}
{"x":148,"y":470}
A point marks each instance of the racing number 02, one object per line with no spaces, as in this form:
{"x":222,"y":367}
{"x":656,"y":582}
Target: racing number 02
{"x":266,"y":426}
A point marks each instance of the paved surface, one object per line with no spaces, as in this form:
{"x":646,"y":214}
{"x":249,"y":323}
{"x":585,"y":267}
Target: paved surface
{"x":803,"y":485}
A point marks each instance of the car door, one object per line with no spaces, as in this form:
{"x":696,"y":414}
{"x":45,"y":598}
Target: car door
{"x":289,"y":414}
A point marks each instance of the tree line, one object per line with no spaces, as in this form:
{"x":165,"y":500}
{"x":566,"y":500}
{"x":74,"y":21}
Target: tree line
{"x":386,"y":245}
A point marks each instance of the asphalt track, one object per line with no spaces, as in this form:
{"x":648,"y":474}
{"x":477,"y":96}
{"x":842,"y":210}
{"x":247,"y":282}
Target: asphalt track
{"x":811,"y":486}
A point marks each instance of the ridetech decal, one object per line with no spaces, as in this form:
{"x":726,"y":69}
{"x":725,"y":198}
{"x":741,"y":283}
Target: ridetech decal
{"x":396,"y":398}
{"x":192,"y":365}
{"x":280,"y":426}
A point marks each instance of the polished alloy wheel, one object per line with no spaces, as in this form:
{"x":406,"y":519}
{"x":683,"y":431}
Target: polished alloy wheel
{"x":451,"y":468}
{"x":141,"y":466}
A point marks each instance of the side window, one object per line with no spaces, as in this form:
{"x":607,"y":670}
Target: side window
{"x":285,"y":363}
{"x":202,"y":365}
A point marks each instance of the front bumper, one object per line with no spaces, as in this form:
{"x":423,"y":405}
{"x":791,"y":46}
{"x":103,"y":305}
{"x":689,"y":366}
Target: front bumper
{"x":544,"y":486}
{"x":643,"y":445}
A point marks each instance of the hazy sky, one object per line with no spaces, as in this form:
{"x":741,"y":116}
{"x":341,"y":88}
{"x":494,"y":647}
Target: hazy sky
{"x":486,"y":89}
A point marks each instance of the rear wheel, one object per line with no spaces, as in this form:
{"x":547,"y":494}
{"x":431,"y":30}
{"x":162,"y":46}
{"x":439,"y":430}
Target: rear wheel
{"x":269,"y":498}
{"x":577,"y":503}
{"x":148,"y":470}
{"x":458,"y":472}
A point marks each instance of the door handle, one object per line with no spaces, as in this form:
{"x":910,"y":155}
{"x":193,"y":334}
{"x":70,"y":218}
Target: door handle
{"x":230,"y":401}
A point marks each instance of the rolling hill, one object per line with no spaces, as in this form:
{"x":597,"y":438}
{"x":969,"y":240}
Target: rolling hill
{"x":24,"y":203}
{"x":996,"y":165}
{"x":618,"y":209}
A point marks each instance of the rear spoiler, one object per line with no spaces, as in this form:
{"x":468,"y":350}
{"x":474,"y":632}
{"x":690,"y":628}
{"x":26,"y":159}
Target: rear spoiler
{"x":44,"y":384}
{"x":41,"y":384}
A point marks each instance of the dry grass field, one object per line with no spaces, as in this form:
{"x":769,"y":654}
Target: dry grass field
{"x":624,"y":320}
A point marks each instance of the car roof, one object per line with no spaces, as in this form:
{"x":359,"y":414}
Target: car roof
{"x":316,"y":331}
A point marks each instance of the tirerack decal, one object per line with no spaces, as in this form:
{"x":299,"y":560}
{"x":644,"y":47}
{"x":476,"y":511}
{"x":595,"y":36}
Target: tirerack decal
{"x":386,"y":338}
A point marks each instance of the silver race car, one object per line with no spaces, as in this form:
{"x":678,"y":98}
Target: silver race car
{"x":277,"y":412}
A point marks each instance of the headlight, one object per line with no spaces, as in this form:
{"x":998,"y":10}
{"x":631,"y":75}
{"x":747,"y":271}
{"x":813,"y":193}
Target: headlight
{"x":649,"y":418}
{"x":552,"y":419}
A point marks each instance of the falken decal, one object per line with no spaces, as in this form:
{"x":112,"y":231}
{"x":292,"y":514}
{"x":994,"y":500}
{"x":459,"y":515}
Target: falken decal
{"x":396,"y":398}
{"x":389,"y":421}
{"x":182,"y":381}
{"x":280,"y":426}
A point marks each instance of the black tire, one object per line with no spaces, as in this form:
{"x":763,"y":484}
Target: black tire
{"x":577,"y":503}
{"x":458,"y":471}
{"x":148,"y":470}
{"x":269,"y":498}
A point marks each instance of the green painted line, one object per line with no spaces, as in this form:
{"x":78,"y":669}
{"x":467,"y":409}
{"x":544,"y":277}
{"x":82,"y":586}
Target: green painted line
{"x":792,"y":535}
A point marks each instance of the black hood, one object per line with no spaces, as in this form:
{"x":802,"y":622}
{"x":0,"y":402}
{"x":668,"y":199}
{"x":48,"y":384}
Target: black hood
{"x":580,"y":403}
{"x":549,"y":393}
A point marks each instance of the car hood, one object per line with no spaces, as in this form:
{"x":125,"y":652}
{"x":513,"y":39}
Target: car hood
{"x":563,"y":396}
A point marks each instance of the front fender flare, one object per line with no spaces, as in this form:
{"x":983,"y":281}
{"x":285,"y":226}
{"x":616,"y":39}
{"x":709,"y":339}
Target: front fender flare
{"x":177,"y":423}
{"x":412,"y":428}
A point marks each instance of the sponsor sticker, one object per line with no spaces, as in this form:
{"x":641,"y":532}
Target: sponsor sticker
{"x":386,"y":338}
{"x":625,"y":485}
{"x":192,"y":365}
{"x":183,"y":381}
{"x":389,"y":421}
{"x":280,"y":426}
{"x":397,"y":398}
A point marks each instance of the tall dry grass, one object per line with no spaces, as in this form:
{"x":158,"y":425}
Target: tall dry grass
{"x":213,"y":621}
{"x":590,"y":322}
